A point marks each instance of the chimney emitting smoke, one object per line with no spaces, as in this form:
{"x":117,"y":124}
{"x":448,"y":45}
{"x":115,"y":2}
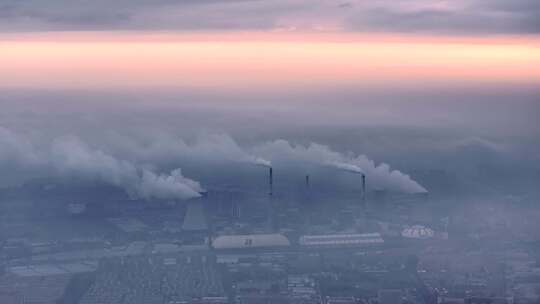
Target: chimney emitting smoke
{"x":363,"y":187}
{"x":271,"y":181}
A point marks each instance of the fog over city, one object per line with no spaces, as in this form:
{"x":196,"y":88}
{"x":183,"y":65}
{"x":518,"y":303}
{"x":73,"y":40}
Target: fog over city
{"x":280,"y":151}
{"x":138,"y":160}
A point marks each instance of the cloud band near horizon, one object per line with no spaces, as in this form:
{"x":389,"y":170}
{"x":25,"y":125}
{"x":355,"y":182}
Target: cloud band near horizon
{"x":440,"y":17}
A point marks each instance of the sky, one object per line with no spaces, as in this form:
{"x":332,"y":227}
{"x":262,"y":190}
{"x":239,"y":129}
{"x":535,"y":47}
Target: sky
{"x":418,"y":84}
{"x":464,"y":17}
{"x":262,"y":59}
{"x":246,"y":44}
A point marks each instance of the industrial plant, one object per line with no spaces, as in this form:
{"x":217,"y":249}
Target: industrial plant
{"x":270,"y":152}
{"x":284,"y":239}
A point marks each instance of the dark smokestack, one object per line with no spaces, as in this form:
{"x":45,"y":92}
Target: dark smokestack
{"x":307,"y":181}
{"x":271,"y":181}
{"x":363,"y":187}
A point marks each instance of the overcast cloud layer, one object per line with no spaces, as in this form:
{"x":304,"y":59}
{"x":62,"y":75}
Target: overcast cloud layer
{"x":424,"y":16}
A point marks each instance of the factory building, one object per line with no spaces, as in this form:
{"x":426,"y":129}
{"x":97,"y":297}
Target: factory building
{"x":42,"y":270}
{"x":333,"y":240}
{"x":76,"y":208}
{"x":417,"y":232}
{"x":390,"y":296}
{"x":250,"y":241}
{"x":303,"y":289}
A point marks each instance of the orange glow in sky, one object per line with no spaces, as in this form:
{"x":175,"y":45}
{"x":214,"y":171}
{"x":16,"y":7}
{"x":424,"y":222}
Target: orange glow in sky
{"x":258,"y":59}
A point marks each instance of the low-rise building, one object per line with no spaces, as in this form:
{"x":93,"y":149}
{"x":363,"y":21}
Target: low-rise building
{"x":336,"y":240}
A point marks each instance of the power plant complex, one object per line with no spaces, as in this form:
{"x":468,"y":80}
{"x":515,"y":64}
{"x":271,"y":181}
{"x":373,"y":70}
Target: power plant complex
{"x":285,"y":238}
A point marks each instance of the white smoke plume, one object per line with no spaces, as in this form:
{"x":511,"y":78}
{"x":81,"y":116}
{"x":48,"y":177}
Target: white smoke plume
{"x":216,"y":146}
{"x":16,"y":150}
{"x":262,"y":162}
{"x":172,"y":186}
{"x":212,"y":146}
{"x":119,"y":165}
{"x":379,"y":176}
{"x":71,"y":157}
{"x":206,"y":147}
{"x":346,"y":167}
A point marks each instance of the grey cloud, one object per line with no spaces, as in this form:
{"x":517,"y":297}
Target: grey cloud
{"x":63,"y":15}
{"x":459,"y":16}
{"x":436,"y":21}
{"x":519,"y":6}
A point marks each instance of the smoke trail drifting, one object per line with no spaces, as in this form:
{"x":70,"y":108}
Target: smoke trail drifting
{"x":172,"y":186}
{"x":71,"y":157}
{"x":346,"y":167}
{"x":207,"y":147}
{"x":379,"y":176}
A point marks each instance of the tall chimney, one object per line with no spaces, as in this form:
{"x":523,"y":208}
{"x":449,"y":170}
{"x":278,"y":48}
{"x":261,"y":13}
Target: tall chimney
{"x":363,"y":187}
{"x":271,"y":181}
